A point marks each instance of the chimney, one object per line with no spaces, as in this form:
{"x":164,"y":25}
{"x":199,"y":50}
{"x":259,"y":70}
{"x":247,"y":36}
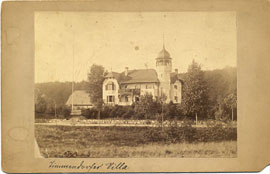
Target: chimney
{"x":126,"y":71}
{"x":176,"y":71}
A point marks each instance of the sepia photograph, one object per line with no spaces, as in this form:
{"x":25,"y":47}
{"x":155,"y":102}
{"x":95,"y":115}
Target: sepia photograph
{"x":135,"y":84}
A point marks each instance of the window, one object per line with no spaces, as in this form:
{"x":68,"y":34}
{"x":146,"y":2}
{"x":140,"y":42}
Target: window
{"x":159,"y":63}
{"x":126,"y":98}
{"x":175,"y":86}
{"x":137,"y":99}
{"x":110,"y":86}
{"x":176,"y":98}
{"x":167,"y":62}
{"x":110,"y":98}
{"x":149,"y":86}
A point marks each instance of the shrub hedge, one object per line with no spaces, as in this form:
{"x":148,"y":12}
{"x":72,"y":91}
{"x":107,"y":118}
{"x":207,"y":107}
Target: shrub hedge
{"x":187,"y":133}
{"x":131,"y":112}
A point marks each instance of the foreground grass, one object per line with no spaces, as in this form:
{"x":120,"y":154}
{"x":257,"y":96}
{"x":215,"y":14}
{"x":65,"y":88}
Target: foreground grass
{"x":85,"y":142}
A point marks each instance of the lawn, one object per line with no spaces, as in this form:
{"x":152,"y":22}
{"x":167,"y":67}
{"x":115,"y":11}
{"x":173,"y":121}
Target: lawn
{"x":109,"y":142}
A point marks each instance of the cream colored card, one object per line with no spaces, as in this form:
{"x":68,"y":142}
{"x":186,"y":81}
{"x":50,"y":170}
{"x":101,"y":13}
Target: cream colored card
{"x":48,"y":41}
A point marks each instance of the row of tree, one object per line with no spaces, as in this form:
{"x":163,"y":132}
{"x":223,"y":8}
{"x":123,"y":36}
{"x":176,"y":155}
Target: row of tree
{"x":51,"y":97}
{"x":206,"y":94}
{"x":210,"y":94}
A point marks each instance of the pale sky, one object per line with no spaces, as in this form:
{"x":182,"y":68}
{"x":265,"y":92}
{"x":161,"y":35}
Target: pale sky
{"x":117,"y":40}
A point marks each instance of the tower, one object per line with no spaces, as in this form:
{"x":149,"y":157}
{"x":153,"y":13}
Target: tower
{"x":164,"y":69}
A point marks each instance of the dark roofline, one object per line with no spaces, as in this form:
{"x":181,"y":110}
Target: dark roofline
{"x":163,"y":58}
{"x":137,"y":82}
{"x":182,"y":81}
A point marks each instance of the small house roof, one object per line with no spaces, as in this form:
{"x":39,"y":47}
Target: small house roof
{"x":80,"y":97}
{"x":135,"y":76}
{"x":112,"y":75}
{"x":175,"y":76}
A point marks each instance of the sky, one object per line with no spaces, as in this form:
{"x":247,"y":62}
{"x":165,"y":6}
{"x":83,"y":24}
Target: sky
{"x":117,"y":40}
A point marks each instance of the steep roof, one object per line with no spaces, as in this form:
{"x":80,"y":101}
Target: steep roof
{"x":113,"y":75}
{"x":175,"y":76}
{"x":139,"y":76}
{"x":80,"y":97}
{"x":135,"y":76}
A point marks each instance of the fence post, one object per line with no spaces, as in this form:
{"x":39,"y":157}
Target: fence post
{"x":162,"y":115}
{"x":196,"y":119}
{"x":232,"y":113}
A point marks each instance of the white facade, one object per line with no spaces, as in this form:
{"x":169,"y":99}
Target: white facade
{"x":110,"y":91}
{"x":126,"y":88}
{"x":176,"y":92}
{"x":164,"y":69}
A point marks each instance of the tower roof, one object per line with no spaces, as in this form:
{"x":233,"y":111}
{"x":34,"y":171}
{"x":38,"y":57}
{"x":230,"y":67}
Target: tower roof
{"x":164,"y":54}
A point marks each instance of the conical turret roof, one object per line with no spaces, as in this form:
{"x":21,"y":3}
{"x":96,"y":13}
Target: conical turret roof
{"x":164,"y":54}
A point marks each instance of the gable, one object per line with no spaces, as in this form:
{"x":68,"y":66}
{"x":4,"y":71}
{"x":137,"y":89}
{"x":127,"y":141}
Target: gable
{"x":80,"y":97}
{"x":175,"y":77}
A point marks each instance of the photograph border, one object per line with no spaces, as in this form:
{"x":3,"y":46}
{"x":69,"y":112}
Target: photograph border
{"x":18,"y":87}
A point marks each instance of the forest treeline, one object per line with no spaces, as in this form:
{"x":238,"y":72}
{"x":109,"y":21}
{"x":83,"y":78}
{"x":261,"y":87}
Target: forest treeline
{"x":217,"y":90}
{"x":58,"y":92}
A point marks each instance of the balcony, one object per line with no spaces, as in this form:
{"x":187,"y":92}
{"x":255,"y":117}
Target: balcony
{"x":129,"y":91}
{"x":153,"y":92}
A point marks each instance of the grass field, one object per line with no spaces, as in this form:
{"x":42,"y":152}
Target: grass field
{"x":110,"y":142}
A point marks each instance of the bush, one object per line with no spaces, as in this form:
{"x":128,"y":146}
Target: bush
{"x":186,"y":133}
{"x":91,"y":113}
{"x":65,"y":111}
{"x":62,"y":111}
{"x":50,"y":109}
{"x":115,"y":112}
{"x":138,"y":116}
{"x":105,"y":113}
{"x":125,"y":112}
{"x":129,"y":113}
{"x":170,"y":110}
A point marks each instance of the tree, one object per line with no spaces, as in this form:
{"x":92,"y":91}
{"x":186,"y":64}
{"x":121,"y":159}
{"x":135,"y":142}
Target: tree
{"x":58,"y":92}
{"x":231,"y":102}
{"x":220,"y":83}
{"x":194,"y":91}
{"x":162,"y":100}
{"x":170,"y":110}
{"x":95,"y":78}
{"x":146,"y":106}
{"x":41,"y":104}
